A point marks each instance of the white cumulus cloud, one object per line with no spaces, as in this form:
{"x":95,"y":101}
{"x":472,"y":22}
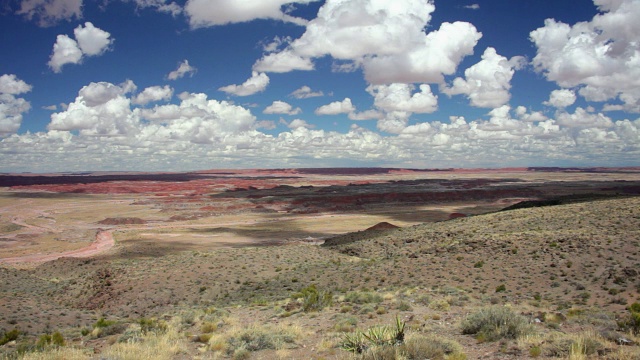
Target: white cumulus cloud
{"x":281,"y":107}
{"x":10,"y":84}
{"x":90,"y":41}
{"x":487,"y":83}
{"x":400,"y":97}
{"x":337,"y":107}
{"x":282,"y":62}
{"x":561,"y":98}
{"x":581,"y":118}
{"x":65,"y":51}
{"x":385,"y":38}
{"x":152,"y":94}
{"x":183,"y":69}
{"x":99,"y":109}
{"x":256,"y":83}
{"x":299,"y":123}
{"x":600,"y":57}
{"x":12,"y":107}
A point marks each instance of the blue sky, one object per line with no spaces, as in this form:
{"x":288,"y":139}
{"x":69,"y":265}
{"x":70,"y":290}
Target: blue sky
{"x":160,"y":85}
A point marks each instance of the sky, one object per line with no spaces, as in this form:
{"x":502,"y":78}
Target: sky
{"x":158,"y":85}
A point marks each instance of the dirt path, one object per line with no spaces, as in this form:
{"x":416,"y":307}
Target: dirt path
{"x":104,"y":241}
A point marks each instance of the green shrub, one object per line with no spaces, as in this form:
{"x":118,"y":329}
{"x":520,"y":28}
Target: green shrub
{"x":632,"y":321}
{"x":494,"y":323}
{"x":403,"y":306}
{"x":9,"y":336}
{"x":419,"y":347}
{"x":254,"y":338}
{"x":241,"y":354}
{"x":384,"y":352}
{"x":363,"y":297}
{"x":347,"y":324}
{"x":535,"y":351}
{"x":501,"y":288}
{"x":152,"y":325}
{"x":57,"y":339}
{"x":102,"y":323}
{"x":312,"y":299}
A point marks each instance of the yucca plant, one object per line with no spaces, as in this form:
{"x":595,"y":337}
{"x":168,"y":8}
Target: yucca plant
{"x":355,"y":342}
{"x":359,"y":341}
{"x":399,"y":331}
{"x":379,"y":335}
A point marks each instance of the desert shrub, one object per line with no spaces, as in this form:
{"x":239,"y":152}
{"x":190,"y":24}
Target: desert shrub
{"x":380,"y":310}
{"x":346,"y":308}
{"x":363,"y":297}
{"x":587,"y":345}
{"x":9,"y":336}
{"x":367,"y":309}
{"x":132,"y":334}
{"x":535,"y":351}
{"x":312,"y":299}
{"x":573,"y":346}
{"x":114,"y":328}
{"x":103,"y":323}
{"x":419,"y":347}
{"x":152,"y":325}
{"x":501,"y":288}
{"x":255,"y":338}
{"x":165,"y":346}
{"x":403,"y":306}
{"x":241,"y":354}
{"x":55,"y":339}
{"x":347,"y":324}
{"x":494,"y":323}
{"x":632,"y":321}
{"x":440,"y":305}
{"x":208,"y":327}
{"x":423,"y":299}
{"x":384,"y":352}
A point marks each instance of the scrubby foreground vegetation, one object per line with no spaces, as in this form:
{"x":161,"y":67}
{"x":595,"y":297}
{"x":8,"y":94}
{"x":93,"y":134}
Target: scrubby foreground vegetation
{"x":544,"y":282}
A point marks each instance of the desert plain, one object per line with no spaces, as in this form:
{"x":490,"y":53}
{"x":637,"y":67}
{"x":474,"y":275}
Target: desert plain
{"x":305,"y":263}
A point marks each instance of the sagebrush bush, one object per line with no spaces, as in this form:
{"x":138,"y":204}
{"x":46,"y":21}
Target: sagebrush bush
{"x":255,"y":338}
{"x":429,"y":347}
{"x":363,"y":297}
{"x":496,"y":322}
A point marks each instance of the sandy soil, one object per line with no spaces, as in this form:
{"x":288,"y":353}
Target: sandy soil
{"x":104,"y":241}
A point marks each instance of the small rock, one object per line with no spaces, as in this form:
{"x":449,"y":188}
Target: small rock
{"x":625,"y":341}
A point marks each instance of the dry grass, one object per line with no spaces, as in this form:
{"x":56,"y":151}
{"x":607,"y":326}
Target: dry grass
{"x":65,"y":353}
